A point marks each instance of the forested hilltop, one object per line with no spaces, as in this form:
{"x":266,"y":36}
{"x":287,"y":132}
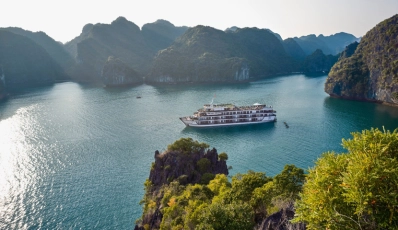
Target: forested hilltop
{"x":371,"y":72}
{"x":188,"y":188}
{"x":121,"y":53}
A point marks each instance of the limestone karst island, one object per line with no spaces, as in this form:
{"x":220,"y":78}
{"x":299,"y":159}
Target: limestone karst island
{"x":146,"y":126}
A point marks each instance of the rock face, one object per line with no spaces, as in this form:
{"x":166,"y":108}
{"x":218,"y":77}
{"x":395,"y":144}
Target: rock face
{"x":184,"y":167}
{"x":371,"y":73}
{"x":281,"y":221}
{"x":117,"y":73}
{"x":205,"y":54}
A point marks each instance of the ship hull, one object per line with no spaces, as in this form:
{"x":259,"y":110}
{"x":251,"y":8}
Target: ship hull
{"x":191,"y":123}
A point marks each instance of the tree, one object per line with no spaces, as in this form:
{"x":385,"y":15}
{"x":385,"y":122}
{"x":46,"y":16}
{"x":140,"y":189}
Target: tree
{"x":243,"y":185}
{"x":223,"y":156}
{"x":356,"y":190}
{"x":187,"y":145}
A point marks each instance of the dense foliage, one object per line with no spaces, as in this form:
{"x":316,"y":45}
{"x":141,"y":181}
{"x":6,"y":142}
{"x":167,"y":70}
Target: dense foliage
{"x":187,"y":145}
{"x":356,"y":190}
{"x":353,"y":190}
{"x":221,"y":204}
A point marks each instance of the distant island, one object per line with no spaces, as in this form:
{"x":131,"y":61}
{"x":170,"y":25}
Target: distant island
{"x":121,"y":53}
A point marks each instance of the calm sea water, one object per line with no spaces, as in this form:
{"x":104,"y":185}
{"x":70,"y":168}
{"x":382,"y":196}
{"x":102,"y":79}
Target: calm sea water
{"x":75,"y":156}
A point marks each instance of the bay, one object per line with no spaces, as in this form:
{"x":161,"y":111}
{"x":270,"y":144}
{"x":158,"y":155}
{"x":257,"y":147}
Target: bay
{"x":74,"y":156}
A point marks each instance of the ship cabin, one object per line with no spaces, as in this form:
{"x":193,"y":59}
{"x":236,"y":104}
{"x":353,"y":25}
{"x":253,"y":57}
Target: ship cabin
{"x":229,"y":113}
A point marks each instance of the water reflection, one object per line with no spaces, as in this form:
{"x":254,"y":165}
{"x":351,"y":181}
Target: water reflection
{"x":362,"y":115}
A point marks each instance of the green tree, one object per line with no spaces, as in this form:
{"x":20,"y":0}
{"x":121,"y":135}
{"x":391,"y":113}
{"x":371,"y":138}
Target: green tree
{"x":289,"y":182}
{"x":220,"y":216}
{"x":357,"y":190}
{"x":223,"y":156}
{"x":243,"y":185}
{"x":187,"y":145}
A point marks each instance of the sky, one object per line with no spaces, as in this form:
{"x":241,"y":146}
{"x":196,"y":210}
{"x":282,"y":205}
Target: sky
{"x":64,"y":20}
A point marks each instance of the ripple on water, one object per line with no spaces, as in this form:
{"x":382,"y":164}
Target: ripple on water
{"x":75,"y":156}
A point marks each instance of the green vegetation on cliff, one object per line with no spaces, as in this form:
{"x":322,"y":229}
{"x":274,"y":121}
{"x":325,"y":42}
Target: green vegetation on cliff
{"x":353,"y":190}
{"x":215,"y":203}
{"x":371,"y":73}
{"x":205,"y":54}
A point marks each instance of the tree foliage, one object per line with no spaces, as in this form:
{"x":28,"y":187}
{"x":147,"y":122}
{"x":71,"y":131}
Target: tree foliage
{"x":357,"y":190}
{"x":187,"y":145}
{"x":223,"y":156}
{"x":220,"y":204}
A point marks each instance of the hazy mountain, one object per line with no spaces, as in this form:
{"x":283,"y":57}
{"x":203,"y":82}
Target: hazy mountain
{"x":23,"y":61}
{"x":332,"y":44}
{"x":205,"y":54}
{"x":293,"y":49}
{"x":121,"y":39}
{"x":371,"y":73}
{"x":55,"y":49}
{"x":161,"y":34}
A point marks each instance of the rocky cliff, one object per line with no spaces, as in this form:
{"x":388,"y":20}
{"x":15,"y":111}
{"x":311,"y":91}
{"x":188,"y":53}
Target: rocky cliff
{"x":185,"y":162}
{"x":205,"y":54}
{"x":117,"y":73}
{"x":371,"y":73}
{"x":23,"y":61}
{"x":121,"y":39}
{"x":55,"y":49}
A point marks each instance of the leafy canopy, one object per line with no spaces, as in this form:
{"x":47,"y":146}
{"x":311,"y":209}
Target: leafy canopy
{"x":187,"y":145}
{"x":357,"y":190}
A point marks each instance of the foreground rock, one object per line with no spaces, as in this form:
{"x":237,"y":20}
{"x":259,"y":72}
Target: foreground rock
{"x":183,"y":165}
{"x":371,"y":73}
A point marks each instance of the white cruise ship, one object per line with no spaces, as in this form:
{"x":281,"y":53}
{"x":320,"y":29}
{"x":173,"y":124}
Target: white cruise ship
{"x":230,"y":115}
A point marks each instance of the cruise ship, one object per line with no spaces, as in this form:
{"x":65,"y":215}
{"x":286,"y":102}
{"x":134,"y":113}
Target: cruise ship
{"x":213,"y":115}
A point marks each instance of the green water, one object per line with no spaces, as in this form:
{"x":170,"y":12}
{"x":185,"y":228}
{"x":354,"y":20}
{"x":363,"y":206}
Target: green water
{"x":75,"y":156}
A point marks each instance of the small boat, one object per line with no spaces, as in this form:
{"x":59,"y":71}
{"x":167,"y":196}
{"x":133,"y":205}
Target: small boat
{"x":213,"y":115}
{"x":287,"y":126}
{"x":138,"y":97}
